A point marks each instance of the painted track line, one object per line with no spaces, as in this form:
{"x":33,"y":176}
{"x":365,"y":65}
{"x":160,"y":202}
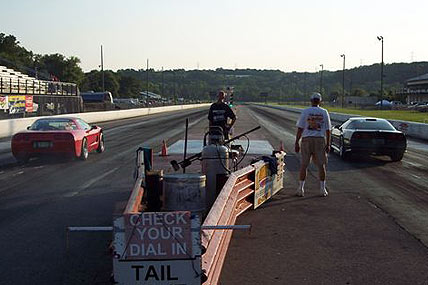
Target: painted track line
{"x":90,"y":183}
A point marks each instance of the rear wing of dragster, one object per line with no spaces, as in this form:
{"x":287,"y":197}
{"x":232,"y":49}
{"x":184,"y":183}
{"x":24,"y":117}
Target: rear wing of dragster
{"x":188,"y":161}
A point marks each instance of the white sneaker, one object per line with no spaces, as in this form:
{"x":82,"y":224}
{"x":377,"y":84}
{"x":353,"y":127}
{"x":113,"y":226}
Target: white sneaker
{"x":300,"y":192}
{"x":323,"y":192}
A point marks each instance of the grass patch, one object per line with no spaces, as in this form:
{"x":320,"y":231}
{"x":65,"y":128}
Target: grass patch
{"x":404,"y":115}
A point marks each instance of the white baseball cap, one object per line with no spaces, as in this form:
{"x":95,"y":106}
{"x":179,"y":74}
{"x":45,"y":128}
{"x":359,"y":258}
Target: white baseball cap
{"x":316,"y":95}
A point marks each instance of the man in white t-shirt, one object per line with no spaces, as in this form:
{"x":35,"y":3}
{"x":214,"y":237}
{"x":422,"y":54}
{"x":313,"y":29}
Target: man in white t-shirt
{"x":314,"y":127}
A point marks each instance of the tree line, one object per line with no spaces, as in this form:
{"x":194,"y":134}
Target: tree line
{"x":199,"y":84}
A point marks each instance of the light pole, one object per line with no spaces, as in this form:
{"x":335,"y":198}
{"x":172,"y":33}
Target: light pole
{"x":147,"y":83}
{"x":380,"y":38}
{"x":322,"y":69}
{"x":162,"y":81}
{"x":343,"y":78}
{"x":102,"y":68}
{"x":175,"y":83}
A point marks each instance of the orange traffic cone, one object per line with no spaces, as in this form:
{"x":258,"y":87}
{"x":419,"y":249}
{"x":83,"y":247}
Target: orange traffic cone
{"x":281,"y":146}
{"x":164,"y":151}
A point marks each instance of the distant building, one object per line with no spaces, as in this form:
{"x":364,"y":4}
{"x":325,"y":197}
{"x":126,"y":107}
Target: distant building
{"x":416,"y":89}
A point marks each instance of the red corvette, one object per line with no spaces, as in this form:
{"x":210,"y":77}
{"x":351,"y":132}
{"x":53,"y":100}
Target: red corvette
{"x":71,"y":137}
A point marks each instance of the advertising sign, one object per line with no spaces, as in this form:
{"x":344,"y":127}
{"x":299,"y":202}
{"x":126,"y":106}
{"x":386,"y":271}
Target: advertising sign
{"x":157,"y":248}
{"x":29,"y":103}
{"x":16,"y":104}
{"x":4,"y":105}
{"x":266,"y":184}
{"x":263,"y":184}
{"x":278,"y":179}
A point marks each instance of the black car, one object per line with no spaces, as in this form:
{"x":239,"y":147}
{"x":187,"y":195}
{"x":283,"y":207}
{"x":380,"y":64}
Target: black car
{"x":368,"y":136}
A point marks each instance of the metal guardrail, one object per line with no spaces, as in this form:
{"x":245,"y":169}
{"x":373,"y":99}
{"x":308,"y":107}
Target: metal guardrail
{"x":11,"y":86}
{"x":236,"y":197}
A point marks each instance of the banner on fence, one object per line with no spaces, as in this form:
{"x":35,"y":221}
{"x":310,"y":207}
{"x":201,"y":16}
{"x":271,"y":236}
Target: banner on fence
{"x":263,"y":184}
{"x":4,"y":105}
{"x":266,"y":183}
{"x":16,"y":104}
{"x":29,"y":103}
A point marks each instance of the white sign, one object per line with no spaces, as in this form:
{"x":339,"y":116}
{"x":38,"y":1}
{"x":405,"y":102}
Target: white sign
{"x":157,"y":248}
{"x":163,"y":235}
{"x":159,"y":272}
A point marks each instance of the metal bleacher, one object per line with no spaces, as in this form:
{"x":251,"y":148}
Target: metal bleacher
{"x":14,"y":82}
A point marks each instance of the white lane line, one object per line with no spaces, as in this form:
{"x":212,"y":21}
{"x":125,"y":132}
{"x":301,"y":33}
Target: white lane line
{"x":90,"y":183}
{"x":18,"y":173}
{"x":417,"y":165}
{"x":96,"y":179}
{"x":68,"y":195}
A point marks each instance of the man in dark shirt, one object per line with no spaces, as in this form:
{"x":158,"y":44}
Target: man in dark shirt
{"x":219,"y":113}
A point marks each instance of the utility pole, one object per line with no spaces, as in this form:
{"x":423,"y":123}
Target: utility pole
{"x":380,"y":38}
{"x":343,"y":79}
{"x":162,"y":81}
{"x":322,"y":69}
{"x":147,"y":81}
{"x":102,"y":68}
{"x":175,"y":83}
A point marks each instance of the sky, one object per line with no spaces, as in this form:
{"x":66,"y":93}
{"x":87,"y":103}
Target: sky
{"x":287,"y":35}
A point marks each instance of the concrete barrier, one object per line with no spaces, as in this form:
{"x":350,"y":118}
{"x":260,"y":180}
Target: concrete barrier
{"x":412,"y":129}
{"x":10,"y":127}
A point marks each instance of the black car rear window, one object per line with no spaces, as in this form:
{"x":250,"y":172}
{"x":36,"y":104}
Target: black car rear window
{"x":370,"y":124}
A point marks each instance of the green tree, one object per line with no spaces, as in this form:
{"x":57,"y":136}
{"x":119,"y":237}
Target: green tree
{"x":129,"y":86}
{"x":65,"y":69}
{"x":93,"y":82}
{"x":13,"y":55}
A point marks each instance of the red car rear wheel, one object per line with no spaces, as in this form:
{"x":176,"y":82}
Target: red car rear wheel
{"x":84,"y":153}
{"x":101,"y":145}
